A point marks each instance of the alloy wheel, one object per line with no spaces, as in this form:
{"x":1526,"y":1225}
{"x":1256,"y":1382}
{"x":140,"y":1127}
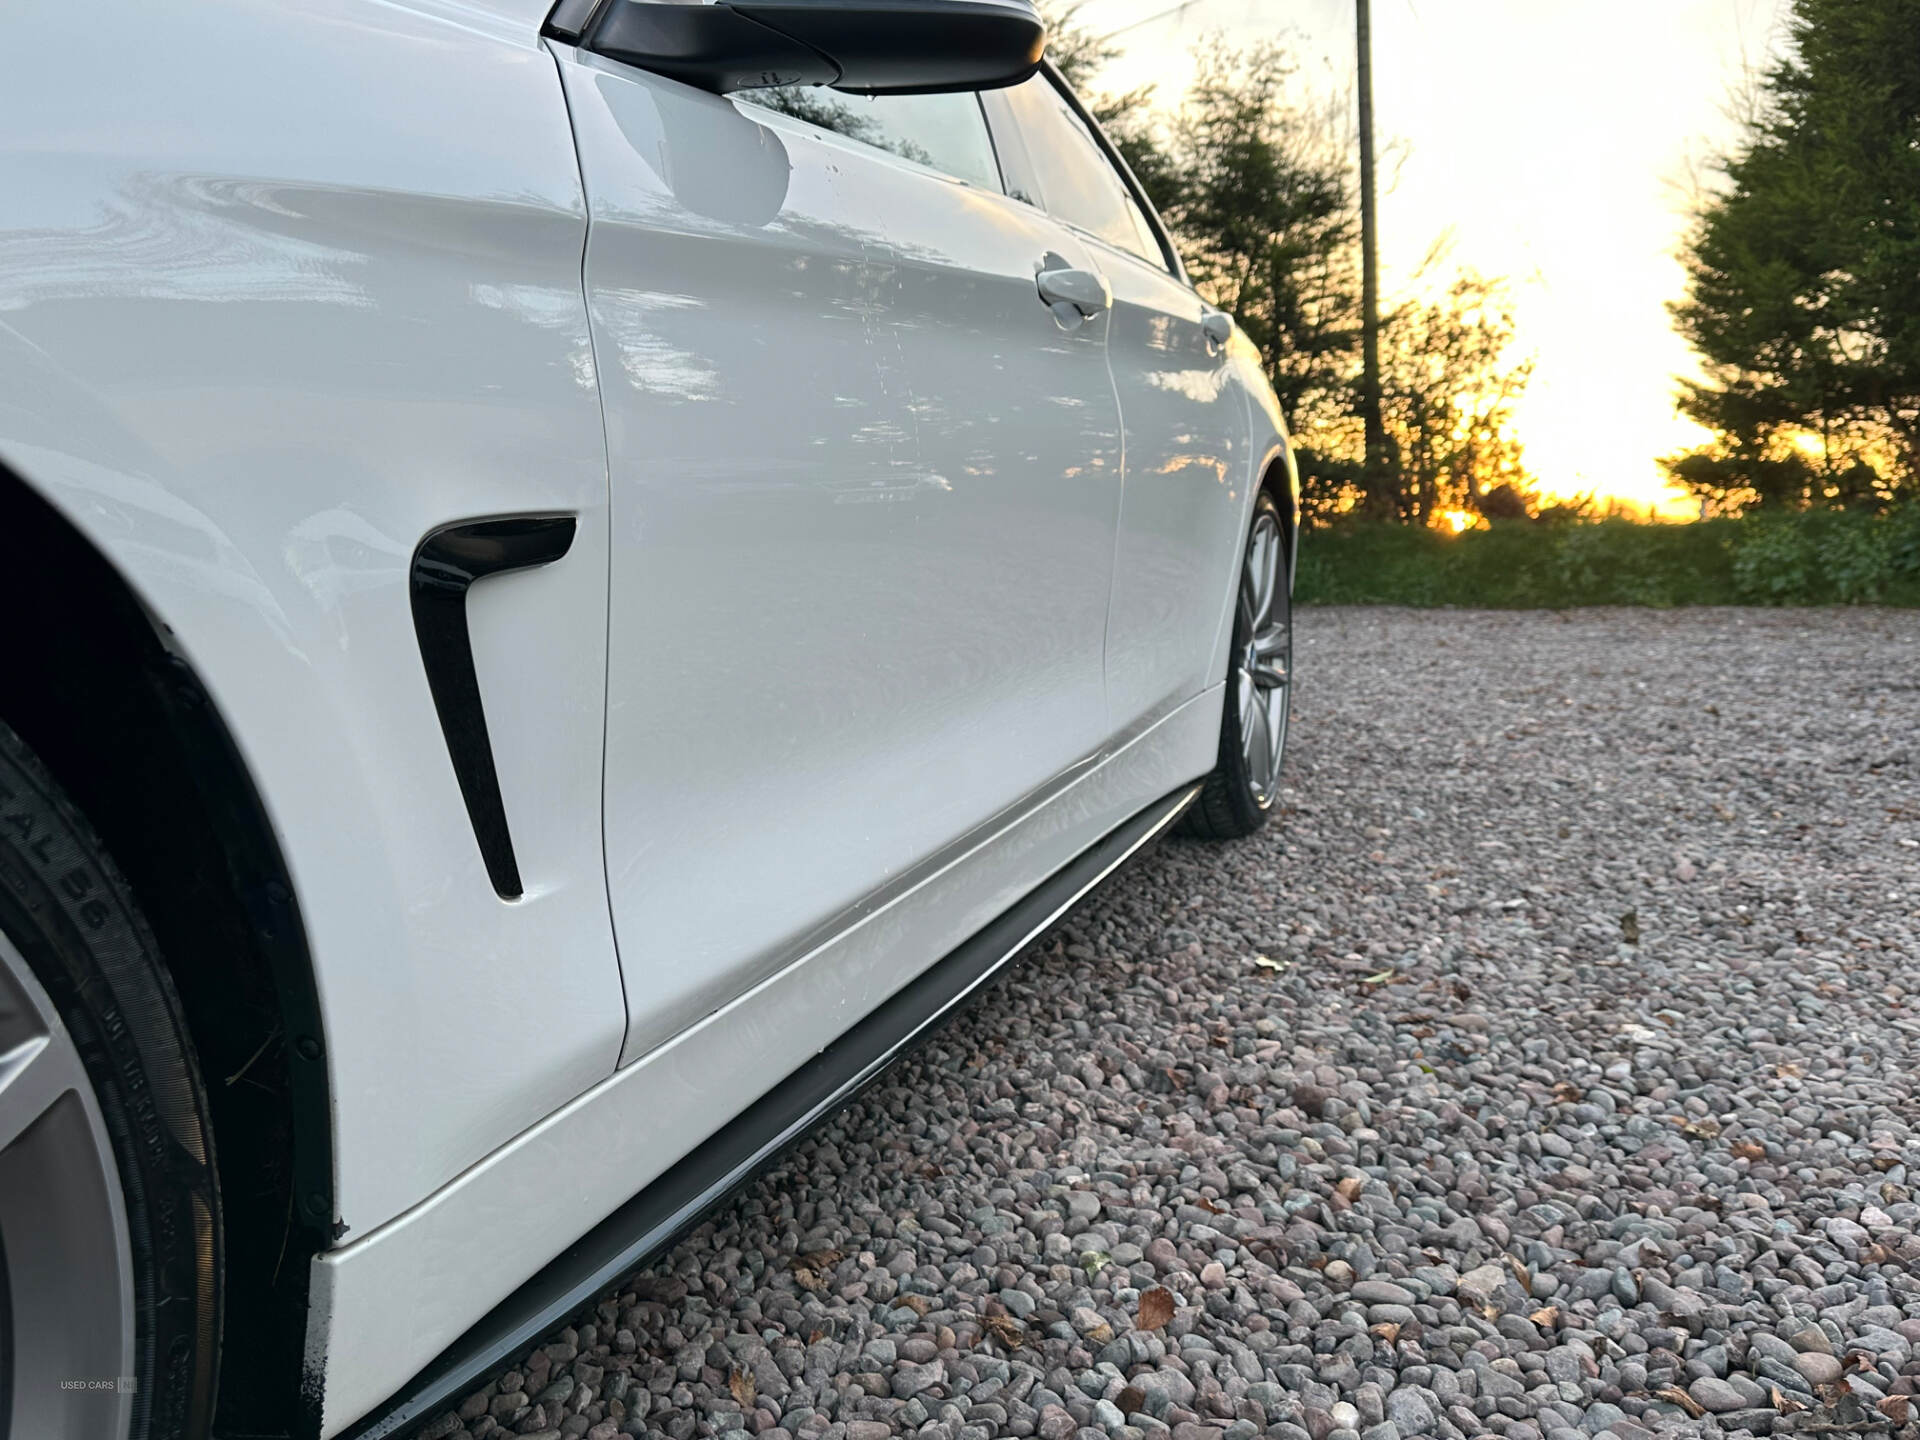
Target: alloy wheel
{"x":66,"y":1263}
{"x":1263,"y":674}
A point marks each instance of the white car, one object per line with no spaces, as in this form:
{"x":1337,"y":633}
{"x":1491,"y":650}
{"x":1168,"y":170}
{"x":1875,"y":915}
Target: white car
{"x":576,"y":578}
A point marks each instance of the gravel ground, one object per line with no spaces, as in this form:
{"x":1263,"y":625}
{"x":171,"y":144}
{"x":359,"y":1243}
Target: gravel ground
{"x":1550,"y":1069}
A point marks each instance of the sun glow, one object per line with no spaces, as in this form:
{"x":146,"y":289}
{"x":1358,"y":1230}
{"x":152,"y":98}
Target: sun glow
{"x":1583,"y":208}
{"x":1455,"y":520}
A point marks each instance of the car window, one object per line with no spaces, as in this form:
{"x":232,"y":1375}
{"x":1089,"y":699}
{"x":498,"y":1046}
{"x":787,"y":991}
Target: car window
{"x":945,"y":132}
{"x":1148,"y":246}
{"x":1077,"y":182}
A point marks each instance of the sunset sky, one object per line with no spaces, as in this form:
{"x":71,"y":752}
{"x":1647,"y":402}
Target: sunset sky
{"x":1556,"y":143}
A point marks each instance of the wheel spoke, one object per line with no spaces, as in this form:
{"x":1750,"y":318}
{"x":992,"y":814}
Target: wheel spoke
{"x":1276,"y":708}
{"x":1275,"y":641}
{"x":33,"y":1075}
{"x":1261,"y":553}
{"x":1249,"y":601}
{"x":1260,"y":751}
{"x":1271,"y":675}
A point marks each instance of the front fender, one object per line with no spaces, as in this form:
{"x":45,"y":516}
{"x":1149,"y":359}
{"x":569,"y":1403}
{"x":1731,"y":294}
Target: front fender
{"x":254,"y":344}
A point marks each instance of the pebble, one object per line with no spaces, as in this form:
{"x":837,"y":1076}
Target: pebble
{"x":1816,"y":1368}
{"x":1382,"y":1292}
{"x":1477,"y":1157}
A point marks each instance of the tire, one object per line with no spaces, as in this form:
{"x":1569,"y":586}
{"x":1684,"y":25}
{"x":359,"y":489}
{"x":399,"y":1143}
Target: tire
{"x":1243,"y":789}
{"x":110,"y":1244}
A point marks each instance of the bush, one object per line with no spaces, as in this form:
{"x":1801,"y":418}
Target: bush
{"x":1815,"y":557}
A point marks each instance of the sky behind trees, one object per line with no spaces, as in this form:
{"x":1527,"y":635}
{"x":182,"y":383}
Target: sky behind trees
{"x":1556,"y":144}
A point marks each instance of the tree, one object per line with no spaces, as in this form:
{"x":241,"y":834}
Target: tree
{"x":1803,"y":293}
{"x":1127,"y":118}
{"x":1255,"y":180}
{"x":1266,"y":217}
{"x":1448,"y":396}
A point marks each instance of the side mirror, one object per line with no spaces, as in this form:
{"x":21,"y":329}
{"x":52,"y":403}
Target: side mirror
{"x":870,"y":47}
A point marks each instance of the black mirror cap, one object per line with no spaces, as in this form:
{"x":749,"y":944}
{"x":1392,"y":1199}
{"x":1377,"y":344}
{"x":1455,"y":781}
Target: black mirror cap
{"x":868,"y":47}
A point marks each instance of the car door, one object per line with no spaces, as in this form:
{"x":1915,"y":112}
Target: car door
{"x":1014,"y":426}
{"x":840,"y":639}
{"x":1183,"y":496}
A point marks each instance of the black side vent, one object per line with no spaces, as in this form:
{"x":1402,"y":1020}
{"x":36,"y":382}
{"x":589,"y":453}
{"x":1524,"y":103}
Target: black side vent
{"x":445,"y":566}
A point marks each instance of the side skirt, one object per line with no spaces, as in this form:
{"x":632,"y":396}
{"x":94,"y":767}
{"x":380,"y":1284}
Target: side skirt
{"x":708,"y":1176}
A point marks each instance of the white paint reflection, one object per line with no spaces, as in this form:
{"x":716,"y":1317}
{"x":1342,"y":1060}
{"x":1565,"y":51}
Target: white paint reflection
{"x":550,"y":309}
{"x":1199,"y":385}
{"x":182,"y":237}
{"x":634,"y":321}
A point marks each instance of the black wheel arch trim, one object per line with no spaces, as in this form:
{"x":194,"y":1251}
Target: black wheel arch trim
{"x":709,"y":1175}
{"x":1277,"y":481}
{"x":255,"y":876}
{"x":446,"y":564}
{"x":265,"y":887}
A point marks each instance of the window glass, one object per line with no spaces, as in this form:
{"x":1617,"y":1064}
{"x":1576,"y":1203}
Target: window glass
{"x":1077,"y":181}
{"x":946,"y":132}
{"x":1147,"y":244}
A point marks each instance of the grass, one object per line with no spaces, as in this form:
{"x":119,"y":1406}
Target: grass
{"x":1817,"y":557}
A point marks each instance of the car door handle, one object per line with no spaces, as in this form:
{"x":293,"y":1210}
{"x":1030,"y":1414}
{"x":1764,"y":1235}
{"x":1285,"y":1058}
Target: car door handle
{"x":1218,"y":326}
{"x":1082,"y":291}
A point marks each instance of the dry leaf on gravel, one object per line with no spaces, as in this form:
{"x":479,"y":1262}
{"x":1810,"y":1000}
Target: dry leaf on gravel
{"x":740,"y":1383}
{"x":1350,"y":1188}
{"x":1630,"y":927}
{"x":1748,"y":1150}
{"x":1546,"y":1317}
{"x":1705,"y":1128}
{"x":1674,"y":1395}
{"x":919,"y":1304}
{"x":1897,"y":1408}
{"x":1784,"y":1403}
{"x":1387,"y":1330}
{"x":810,"y":1270}
{"x":1568,"y":1093}
{"x":1156,"y":1308}
{"x":1520,"y":1274}
{"x":1007,"y":1330}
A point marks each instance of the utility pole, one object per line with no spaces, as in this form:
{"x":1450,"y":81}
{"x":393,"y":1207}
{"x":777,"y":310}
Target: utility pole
{"x":1378,"y":475}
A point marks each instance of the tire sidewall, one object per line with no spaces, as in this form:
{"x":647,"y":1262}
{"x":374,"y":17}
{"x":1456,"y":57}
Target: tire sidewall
{"x":69,"y":913}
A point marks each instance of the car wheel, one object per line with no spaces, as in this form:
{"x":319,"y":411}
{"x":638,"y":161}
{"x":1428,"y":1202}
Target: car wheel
{"x":1240,"y":793}
{"x":109,"y":1216}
